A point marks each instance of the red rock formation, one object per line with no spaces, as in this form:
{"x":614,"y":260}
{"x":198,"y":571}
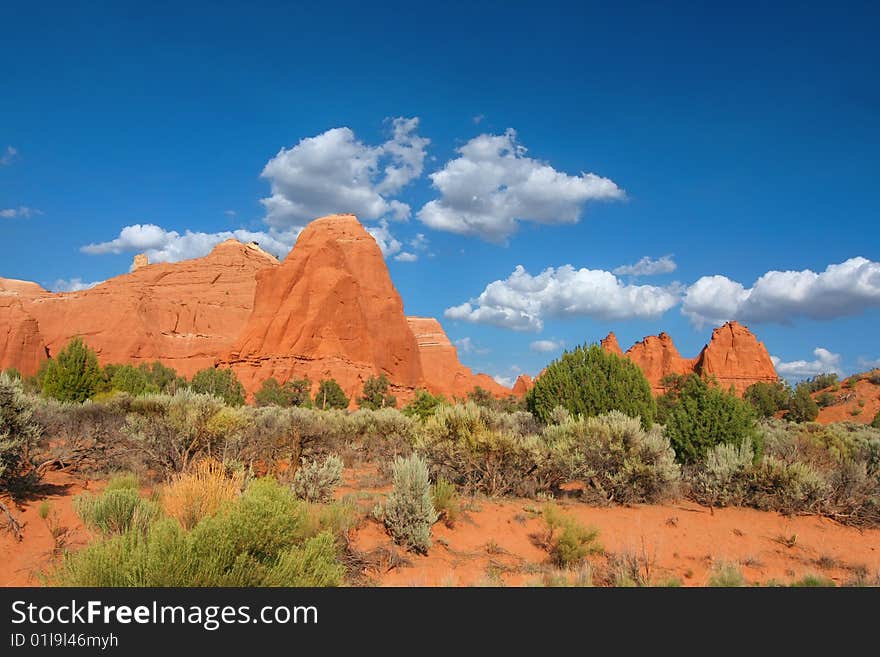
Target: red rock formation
{"x":442,"y":371}
{"x":658,"y":357}
{"x":21,"y":344}
{"x":735,"y":358}
{"x":329,"y":311}
{"x":186,"y":314}
{"x":523,"y":384}
{"x":609,"y":343}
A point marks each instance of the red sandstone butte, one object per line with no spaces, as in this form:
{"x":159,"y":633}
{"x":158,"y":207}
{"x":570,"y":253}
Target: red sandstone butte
{"x":610,"y":344}
{"x":733,"y":356}
{"x":522,"y":385}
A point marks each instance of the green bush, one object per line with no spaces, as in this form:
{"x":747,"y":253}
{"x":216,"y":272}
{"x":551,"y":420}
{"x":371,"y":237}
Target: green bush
{"x":18,"y":432}
{"x":115,"y":511}
{"x":376,"y":394}
{"x":73,"y":375}
{"x":802,"y":407}
{"x":705,"y":416}
{"x":820,"y":381}
{"x":590,"y":381}
{"x":330,"y":395}
{"x":446,"y":501}
{"x":264,"y":538}
{"x":568,"y":542}
{"x":876,"y":421}
{"x":621,"y":460}
{"x":825,"y":399}
{"x":219,"y":382}
{"x":271,"y":394}
{"x":768,"y":398}
{"x":423,"y":405}
{"x":316,"y":482}
{"x":409,"y":511}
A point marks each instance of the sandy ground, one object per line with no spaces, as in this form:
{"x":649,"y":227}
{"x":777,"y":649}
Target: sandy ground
{"x":495,"y":542}
{"x":863,"y":399}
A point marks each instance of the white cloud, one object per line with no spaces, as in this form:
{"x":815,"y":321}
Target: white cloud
{"x":825,"y":362}
{"x":72,"y":285}
{"x":406,"y":256}
{"x":388,"y":244}
{"x":522,"y":301}
{"x":546,"y":346}
{"x":162,"y":245}
{"x":781,"y":296}
{"x":22,"y":212}
{"x":647,"y":266}
{"x":8,"y":156}
{"x":419,"y":242}
{"x":230,"y":213}
{"x":467,"y":346}
{"x":334,"y":172}
{"x":869,"y":363}
{"x":493,"y":185}
{"x":506,"y":381}
{"x":478,"y":119}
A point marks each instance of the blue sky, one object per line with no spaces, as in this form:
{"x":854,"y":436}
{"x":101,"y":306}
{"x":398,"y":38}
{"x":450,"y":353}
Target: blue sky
{"x":566,"y":138}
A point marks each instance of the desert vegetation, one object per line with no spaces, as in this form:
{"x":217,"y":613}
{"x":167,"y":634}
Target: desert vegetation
{"x":218,"y":492}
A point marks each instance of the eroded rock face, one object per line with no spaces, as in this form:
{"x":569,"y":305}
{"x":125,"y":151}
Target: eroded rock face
{"x":609,"y":343}
{"x":658,"y":357}
{"x":735,"y":358}
{"x":329,"y":311}
{"x":442,"y":371}
{"x":522,"y":385}
{"x":185,"y":314}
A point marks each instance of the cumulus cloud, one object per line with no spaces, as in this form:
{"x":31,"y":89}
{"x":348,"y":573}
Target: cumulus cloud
{"x":163,"y":245}
{"x":388,"y":244}
{"x":648,"y":266}
{"x":546,"y":346}
{"x":21,"y":212}
{"x":72,"y":285}
{"x":8,"y":156}
{"x":522,"y":301}
{"x":336,"y":172}
{"x":506,"y":381}
{"x":492,"y":185}
{"x":842,"y":289}
{"x":406,"y":256}
{"x":868,"y":363}
{"x":825,"y":362}
{"x":467,"y":346}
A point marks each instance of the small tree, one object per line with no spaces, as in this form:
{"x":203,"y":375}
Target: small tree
{"x":768,"y":398}
{"x":163,"y":379}
{"x":376,"y":394}
{"x":590,"y":381}
{"x":133,"y":380}
{"x":219,"y":382}
{"x":705,"y":416}
{"x":330,"y":395}
{"x":299,"y":392}
{"x":271,"y":394}
{"x":802,"y":408}
{"x":73,"y":375}
{"x":18,"y":431}
{"x":423,"y":405}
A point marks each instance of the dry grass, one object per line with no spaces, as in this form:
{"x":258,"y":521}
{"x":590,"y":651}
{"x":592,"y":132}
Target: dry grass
{"x":199,"y":492}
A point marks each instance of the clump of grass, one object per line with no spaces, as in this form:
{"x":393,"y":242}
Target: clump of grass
{"x":726,"y":575}
{"x":59,"y":533}
{"x":578,"y":577}
{"x":446,"y":501}
{"x":200,"y":492}
{"x":115,"y":511}
{"x":568,"y":541}
{"x":123,"y":481}
{"x":814,"y":581}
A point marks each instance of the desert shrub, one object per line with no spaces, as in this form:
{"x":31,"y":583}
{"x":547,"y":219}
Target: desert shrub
{"x":725,"y":476}
{"x":568,"y":542}
{"x":200,"y":492}
{"x":802,"y":407}
{"x":726,"y":575}
{"x":618,"y":457}
{"x":423,"y":405}
{"x":116,"y":511}
{"x":481,"y":450}
{"x":768,"y":398}
{"x":169,"y":431}
{"x":73,"y":375}
{"x":409,"y":512}
{"x":11,"y":373}
{"x":126,"y":378}
{"x":264,"y":538}
{"x":330,"y":395}
{"x":590,"y":381}
{"x":219,"y":382}
{"x":18,"y":433}
{"x":824,"y":399}
{"x":316,"y":482}
{"x":446,"y":501}
{"x":705,"y":416}
{"x":122,"y":480}
{"x":376,"y":394}
{"x":876,"y":421}
{"x":873,"y":377}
